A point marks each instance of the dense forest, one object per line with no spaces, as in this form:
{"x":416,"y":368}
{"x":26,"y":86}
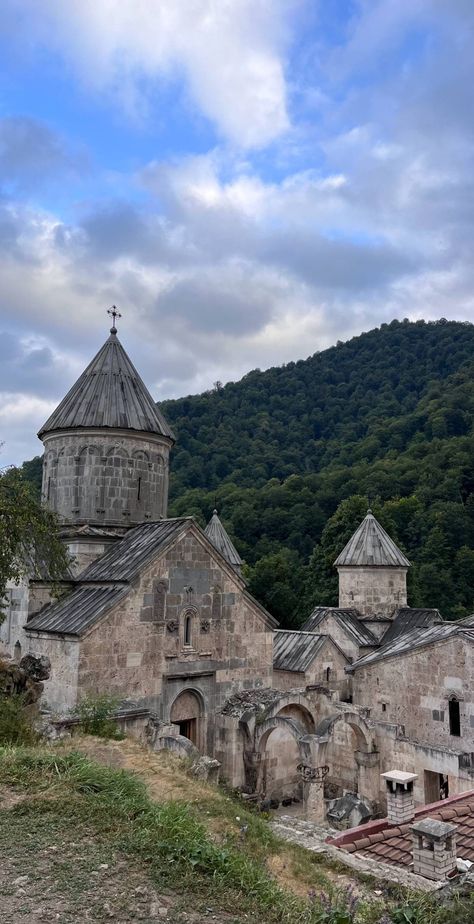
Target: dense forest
{"x":292,"y":457}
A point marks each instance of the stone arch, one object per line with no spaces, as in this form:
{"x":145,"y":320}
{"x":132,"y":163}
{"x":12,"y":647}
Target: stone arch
{"x":346,"y":743}
{"x":188,"y":627}
{"x":188,"y":713}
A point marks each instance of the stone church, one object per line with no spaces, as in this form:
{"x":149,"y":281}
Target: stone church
{"x":155,"y":611}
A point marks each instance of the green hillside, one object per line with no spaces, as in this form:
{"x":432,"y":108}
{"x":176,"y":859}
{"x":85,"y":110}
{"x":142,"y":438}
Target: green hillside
{"x":386,"y":417}
{"x":293,"y":456}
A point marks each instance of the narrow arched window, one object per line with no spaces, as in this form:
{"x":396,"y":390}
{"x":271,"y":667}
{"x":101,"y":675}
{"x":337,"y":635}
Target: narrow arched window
{"x":454,"y":717}
{"x":328,"y":674}
{"x":139,"y":487}
{"x":188,"y":630}
{"x":17,"y":652}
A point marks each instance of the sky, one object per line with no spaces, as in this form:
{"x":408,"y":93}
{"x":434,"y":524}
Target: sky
{"x":249,"y":181}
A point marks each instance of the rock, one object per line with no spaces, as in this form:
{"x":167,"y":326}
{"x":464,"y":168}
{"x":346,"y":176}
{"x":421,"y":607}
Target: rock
{"x":206,"y":768}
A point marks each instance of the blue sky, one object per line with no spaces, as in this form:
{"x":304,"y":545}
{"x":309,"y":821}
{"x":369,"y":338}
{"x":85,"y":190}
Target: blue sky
{"x":249,"y":180}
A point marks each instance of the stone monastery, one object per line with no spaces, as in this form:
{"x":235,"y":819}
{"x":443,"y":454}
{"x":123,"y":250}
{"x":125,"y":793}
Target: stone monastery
{"x":156,"y":612}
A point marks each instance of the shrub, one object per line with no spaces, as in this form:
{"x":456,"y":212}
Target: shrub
{"x":95,"y":714}
{"x":16,"y":725}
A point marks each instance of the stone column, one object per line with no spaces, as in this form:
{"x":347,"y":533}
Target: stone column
{"x":368,"y":763}
{"x":313,"y":792}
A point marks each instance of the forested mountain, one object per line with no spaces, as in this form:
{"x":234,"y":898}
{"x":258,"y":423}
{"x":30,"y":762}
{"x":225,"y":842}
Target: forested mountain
{"x":293,"y":455}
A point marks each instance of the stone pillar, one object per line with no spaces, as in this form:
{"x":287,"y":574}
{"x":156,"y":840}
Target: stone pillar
{"x":400,"y":803}
{"x":313,"y":792}
{"x":368,"y":763}
{"x":434,"y":848}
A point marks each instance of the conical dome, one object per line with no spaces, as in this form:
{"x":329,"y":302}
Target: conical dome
{"x":220,"y":539}
{"x":371,"y":546}
{"x":110,"y":394}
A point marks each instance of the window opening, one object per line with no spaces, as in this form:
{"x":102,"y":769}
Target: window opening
{"x":17,"y":652}
{"x":454,"y":718}
{"x":187,"y":630}
{"x":139,"y":488}
{"x":328,"y":674}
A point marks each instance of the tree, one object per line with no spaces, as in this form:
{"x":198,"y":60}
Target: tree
{"x":29,"y":537}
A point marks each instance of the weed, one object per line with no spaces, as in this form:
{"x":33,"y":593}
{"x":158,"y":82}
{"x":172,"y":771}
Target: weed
{"x":95,"y":714}
{"x":16,"y":725}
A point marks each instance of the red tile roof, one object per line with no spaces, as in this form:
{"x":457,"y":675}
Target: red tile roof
{"x":393,"y":844}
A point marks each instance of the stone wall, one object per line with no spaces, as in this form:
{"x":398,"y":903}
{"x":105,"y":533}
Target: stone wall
{"x":140,"y":649}
{"x":117,"y":478}
{"x":414,"y":691}
{"x":373,"y":591}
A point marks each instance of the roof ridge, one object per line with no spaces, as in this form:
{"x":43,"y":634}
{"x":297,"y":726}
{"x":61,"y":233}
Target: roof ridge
{"x":370,"y":545}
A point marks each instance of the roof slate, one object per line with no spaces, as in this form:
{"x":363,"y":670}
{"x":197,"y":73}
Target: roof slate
{"x":408,"y":618}
{"x":347,"y":618}
{"x":371,"y":546}
{"x":109,"y":393}
{"x":295,"y":651}
{"x":81,"y":609}
{"x":410,"y":641}
{"x":216,"y":533}
{"x":393,"y":844}
{"x":123,"y":560}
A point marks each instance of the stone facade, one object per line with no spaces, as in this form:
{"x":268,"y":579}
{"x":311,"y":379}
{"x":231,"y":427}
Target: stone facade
{"x":373,"y":591}
{"x":328,"y":670}
{"x":107,"y":478}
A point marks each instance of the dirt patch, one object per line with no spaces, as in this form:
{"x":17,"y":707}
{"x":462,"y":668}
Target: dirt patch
{"x":9,"y":798}
{"x":280,"y":868}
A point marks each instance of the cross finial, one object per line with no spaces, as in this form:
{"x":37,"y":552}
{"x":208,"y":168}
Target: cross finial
{"x":114,"y":313}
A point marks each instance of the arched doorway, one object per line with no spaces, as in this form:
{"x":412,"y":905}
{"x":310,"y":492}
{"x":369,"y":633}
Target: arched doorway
{"x":279,"y":742}
{"x":187,"y":712}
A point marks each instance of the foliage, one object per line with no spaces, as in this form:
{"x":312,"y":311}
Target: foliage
{"x":29,"y":538}
{"x":95,"y":714}
{"x":293,"y":456}
{"x":15,"y":722}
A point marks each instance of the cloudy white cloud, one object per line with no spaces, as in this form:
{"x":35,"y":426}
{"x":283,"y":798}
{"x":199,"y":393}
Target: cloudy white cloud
{"x":240,"y":256}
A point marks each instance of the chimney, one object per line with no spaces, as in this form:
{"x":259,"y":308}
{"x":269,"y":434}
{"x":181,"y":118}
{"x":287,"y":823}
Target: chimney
{"x":400,"y":804}
{"x":434,"y":848}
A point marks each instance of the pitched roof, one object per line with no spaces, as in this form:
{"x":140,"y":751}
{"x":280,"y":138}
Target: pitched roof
{"x":410,"y":641}
{"x":393,"y":843}
{"x":295,"y":651}
{"x":79,"y":610}
{"x":408,"y":618}
{"x":109,"y":393}
{"x":347,"y":618}
{"x":124,"y":560}
{"x":371,"y":545}
{"x":216,"y":533}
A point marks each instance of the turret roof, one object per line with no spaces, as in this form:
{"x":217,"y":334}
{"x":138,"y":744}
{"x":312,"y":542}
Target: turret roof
{"x":371,"y":545}
{"x":109,"y":393}
{"x":222,"y":542}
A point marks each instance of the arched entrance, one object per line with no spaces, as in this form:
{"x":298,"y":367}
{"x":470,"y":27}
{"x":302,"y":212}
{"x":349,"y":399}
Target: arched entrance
{"x":280,"y":748}
{"x":187,"y":712}
{"x":345,"y":742}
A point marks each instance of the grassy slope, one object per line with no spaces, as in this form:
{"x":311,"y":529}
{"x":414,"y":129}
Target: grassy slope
{"x":94,"y":844}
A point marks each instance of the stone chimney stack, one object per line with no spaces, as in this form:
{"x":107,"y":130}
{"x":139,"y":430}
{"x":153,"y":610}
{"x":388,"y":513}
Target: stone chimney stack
{"x":434,"y":848}
{"x":400,"y":803}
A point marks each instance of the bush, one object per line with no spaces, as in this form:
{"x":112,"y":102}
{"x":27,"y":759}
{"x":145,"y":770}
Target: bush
{"x":16,"y":725}
{"x":95,"y":714}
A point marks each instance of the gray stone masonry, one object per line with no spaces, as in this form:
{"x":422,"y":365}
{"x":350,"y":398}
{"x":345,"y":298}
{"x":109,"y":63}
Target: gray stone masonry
{"x":107,"y":478}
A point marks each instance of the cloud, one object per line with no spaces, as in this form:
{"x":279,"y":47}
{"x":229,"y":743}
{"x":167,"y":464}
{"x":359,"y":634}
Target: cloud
{"x":230,"y":55}
{"x":31,"y":154}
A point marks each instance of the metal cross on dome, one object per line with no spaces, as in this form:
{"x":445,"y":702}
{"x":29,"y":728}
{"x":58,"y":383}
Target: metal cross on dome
{"x":114,"y":313}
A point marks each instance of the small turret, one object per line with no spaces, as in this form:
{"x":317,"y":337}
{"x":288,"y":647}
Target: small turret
{"x":372,"y":571}
{"x":222,"y":542}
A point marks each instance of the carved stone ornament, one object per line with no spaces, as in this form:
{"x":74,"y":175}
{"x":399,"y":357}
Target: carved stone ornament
{"x":312,"y":774}
{"x":205,"y":625}
{"x":172,"y":626}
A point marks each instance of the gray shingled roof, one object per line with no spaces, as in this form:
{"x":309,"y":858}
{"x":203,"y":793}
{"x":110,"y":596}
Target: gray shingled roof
{"x":371,"y":545}
{"x":79,"y":610}
{"x":295,"y":651}
{"x":411,"y":641}
{"x":109,"y":393}
{"x":347,"y":618}
{"x":408,"y":618}
{"x":124,"y":560}
{"x":216,"y":533}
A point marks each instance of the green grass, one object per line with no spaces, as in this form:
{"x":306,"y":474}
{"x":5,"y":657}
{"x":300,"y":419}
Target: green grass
{"x":77,"y":798}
